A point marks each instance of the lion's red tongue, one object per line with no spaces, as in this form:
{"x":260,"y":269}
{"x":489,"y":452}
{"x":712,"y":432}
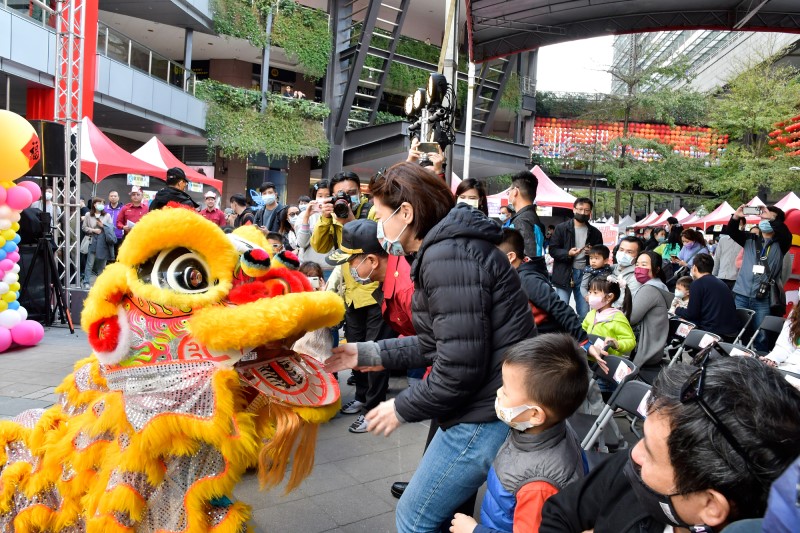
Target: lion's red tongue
{"x":291,"y":378}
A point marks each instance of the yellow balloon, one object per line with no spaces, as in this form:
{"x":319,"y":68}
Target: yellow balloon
{"x":7,"y":184}
{"x":3,"y":241}
{"x":3,"y":305}
{"x":19,"y":146}
{"x":9,"y":296}
{"x":14,"y":287}
{"x":15,"y":226}
{"x":8,"y":234}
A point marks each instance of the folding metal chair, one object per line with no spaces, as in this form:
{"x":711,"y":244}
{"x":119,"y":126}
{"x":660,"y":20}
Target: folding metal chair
{"x":696,"y":340}
{"x":620,"y":371}
{"x":745,"y":317}
{"x":736,"y":350}
{"x":770,"y":324}
{"x":631,"y":397}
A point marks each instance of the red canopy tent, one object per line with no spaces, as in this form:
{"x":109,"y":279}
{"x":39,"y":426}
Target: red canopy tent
{"x":682,"y":214}
{"x":548,"y":194}
{"x":101,"y":157}
{"x":646,"y":220}
{"x":790,"y":201}
{"x":155,"y":153}
{"x":662,"y":218}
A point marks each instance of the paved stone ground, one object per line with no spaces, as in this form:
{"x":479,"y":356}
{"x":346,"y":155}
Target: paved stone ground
{"x":348,"y":491}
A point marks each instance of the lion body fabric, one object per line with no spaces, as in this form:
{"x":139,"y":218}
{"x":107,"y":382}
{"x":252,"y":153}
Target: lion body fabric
{"x":188,"y":386}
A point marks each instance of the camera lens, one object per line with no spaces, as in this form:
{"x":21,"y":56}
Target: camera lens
{"x":341,"y":208}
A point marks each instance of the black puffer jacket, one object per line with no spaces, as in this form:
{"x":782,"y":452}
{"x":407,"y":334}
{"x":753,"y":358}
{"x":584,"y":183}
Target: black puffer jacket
{"x":468,"y":309}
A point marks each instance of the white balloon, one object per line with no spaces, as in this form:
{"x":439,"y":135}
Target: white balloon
{"x":11,"y":278}
{"x":5,"y":212}
{"x":23,"y":313}
{"x":5,"y":224}
{"x":15,"y":216}
{"x":15,"y":268}
{"x":9,"y":318}
{"x":3,"y":287}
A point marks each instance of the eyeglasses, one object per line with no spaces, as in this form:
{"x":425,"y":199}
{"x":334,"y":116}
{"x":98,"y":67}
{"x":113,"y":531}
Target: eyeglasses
{"x":692,"y":392}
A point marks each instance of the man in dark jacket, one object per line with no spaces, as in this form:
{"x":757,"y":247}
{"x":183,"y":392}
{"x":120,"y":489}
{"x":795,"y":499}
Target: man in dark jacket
{"x":174,"y":191}
{"x":711,"y":306}
{"x":715,"y":438}
{"x":568,"y":246}
{"x":268,"y":217}
{"x":522,"y":196}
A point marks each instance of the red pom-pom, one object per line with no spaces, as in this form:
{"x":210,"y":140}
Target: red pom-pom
{"x":104,"y":334}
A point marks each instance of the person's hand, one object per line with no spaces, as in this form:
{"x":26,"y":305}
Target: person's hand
{"x":438,"y":159}
{"x":573,"y":252}
{"x":462,"y":523}
{"x":342,"y":358}
{"x":313,"y":206}
{"x":767,"y":361}
{"x":414,"y":154}
{"x":326,"y":209}
{"x":598,"y":354}
{"x":98,"y":230}
{"x":766,"y":214}
{"x":383,"y":419}
{"x":611,"y":341}
{"x":739,"y":212}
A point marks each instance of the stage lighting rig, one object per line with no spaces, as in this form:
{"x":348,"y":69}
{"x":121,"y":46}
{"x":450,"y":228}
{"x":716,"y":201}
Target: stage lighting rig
{"x":434,"y":111}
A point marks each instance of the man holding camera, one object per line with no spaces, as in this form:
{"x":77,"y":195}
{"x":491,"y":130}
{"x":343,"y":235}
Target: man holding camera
{"x":762,"y":262}
{"x":363,"y":319}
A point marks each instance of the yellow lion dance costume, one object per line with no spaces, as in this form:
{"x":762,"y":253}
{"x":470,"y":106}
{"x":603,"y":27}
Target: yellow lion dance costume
{"x":192,"y":380}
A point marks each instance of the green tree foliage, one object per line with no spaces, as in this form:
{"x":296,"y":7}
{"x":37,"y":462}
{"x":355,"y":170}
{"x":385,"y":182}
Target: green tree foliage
{"x":755,"y":99}
{"x":290,"y":128}
{"x":302,"y":32}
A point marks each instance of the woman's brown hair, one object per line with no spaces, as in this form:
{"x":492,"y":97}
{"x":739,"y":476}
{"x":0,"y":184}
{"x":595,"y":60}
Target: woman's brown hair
{"x":426,"y":192}
{"x":472,"y":183}
{"x":694,"y":236}
{"x":794,"y":324}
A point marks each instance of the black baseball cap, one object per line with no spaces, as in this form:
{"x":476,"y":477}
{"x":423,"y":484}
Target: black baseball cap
{"x":358,"y":237}
{"x":174,"y":175}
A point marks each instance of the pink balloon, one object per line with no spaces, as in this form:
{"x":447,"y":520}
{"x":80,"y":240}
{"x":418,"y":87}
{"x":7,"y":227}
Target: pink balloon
{"x":18,"y":198}
{"x":6,"y":265}
{"x":5,"y":338}
{"x":2,"y":196}
{"x":13,"y":256}
{"x":26,"y":333}
{"x":35,"y":190}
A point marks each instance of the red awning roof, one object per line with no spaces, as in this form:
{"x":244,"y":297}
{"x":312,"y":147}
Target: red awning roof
{"x":101,"y":157}
{"x":155,"y":153}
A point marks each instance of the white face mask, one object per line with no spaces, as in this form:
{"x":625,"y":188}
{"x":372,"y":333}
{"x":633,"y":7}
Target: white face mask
{"x":48,"y":196}
{"x":269,"y":199}
{"x":472,"y":202}
{"x":303,"y":207}
{"x":293,"y":220}
{"x":503,"y":217}
{"x":99,"y":207}
{"x":679,"y":294}
{"x":507,"y":414}
{"x":623,"y":259}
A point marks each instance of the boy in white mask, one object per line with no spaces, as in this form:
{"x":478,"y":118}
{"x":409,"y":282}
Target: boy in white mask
{"x":545,"y":379}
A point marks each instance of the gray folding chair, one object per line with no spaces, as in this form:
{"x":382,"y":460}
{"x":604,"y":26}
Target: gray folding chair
{"x":631,"y":397}
{"x":745,"y":317}
{"x":770,"y":324}
{"x":620,"y":371}
{"x":734,"y":349}
{"x":696,"y":340}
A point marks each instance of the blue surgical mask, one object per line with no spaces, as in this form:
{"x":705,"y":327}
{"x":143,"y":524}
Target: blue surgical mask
{"x":355,"y":199}
{"x":269,"y":199}
{"x":679,"y":294}
{"x":623,"y":259}
{"x":359,"y":279}
{"x":765,"y":226}
{"x":661,"y":239}
{"x":303,"y":207}
{"x":293,"y":220}
{"x":503,"y":217}
{"x":392,"y":246}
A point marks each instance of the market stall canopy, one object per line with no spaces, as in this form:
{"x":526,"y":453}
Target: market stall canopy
{"x":756,"y":202}
{"x":626,"y":222}
{"x":662,"y":219}
{"x":500,"y":28}
{"x":790,"y":201}
{"x":682,"y":214}
{"x":101,"y":157}
{"x":691,"y":219}
{"x":155,"y":153}
{"x":548,"y":194}
{"x":646,"y":220}
{"x":720,"y":215}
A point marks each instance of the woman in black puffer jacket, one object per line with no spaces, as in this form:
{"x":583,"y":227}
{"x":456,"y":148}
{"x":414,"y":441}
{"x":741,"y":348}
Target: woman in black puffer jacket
{"x":467,"y":309}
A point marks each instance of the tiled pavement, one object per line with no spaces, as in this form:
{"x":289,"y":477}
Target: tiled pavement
{"x":348,"y":491}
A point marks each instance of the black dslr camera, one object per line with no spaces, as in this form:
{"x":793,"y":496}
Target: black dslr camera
{"x":341,"y":204}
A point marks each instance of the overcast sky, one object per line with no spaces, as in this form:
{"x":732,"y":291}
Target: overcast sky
{"x":577,"y":66}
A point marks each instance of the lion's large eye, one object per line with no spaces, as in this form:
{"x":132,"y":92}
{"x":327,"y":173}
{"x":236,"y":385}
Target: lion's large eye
{"x":179,"y":269}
